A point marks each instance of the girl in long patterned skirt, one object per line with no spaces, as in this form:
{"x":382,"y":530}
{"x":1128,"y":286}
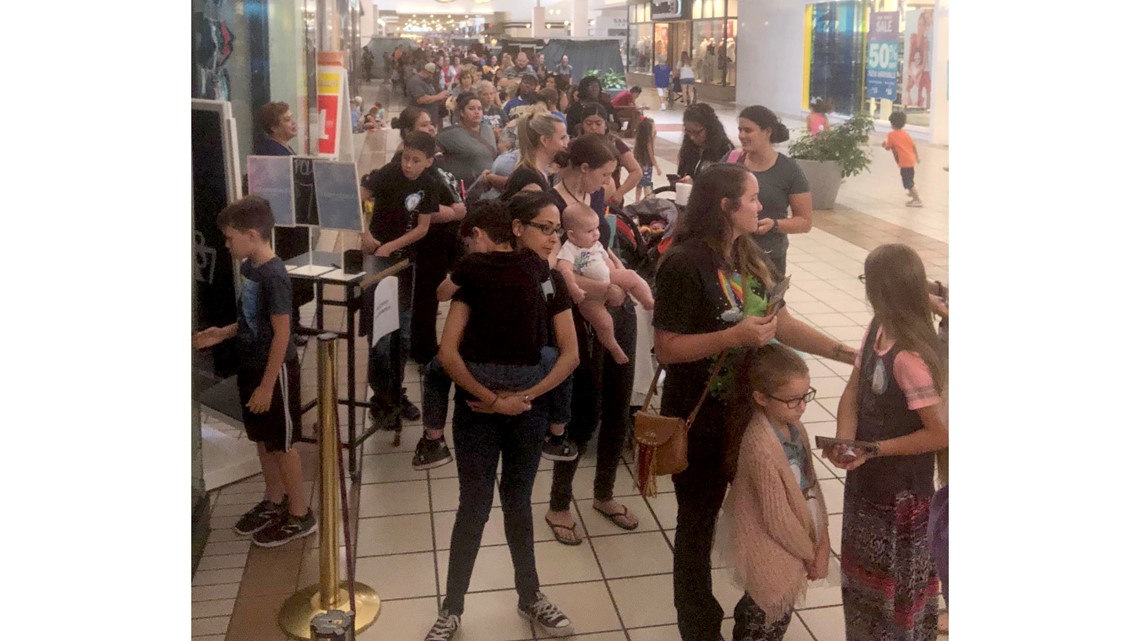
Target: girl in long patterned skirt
{"x":892,"y":400}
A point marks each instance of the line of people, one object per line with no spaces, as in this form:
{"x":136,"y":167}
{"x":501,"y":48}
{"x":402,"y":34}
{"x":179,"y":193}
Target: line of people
{"x":540,"y":344}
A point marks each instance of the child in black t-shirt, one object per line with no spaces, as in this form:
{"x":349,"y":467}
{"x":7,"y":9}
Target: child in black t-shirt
{"x":269,"y":374}
{"x":492,"y":263}
{"x":405,"y":200}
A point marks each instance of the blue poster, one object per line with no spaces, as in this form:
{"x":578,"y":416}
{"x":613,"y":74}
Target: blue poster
{"x":883,"y":56}
{"x":338,"y":195}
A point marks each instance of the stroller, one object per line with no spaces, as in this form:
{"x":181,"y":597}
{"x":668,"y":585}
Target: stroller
{"x":644,"y":232}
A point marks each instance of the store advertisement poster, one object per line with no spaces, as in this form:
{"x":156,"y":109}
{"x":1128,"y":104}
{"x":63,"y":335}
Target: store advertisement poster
{"x":332,"y":102}
{"x":916,"y":72}
{"x":663,"y":9}
{"x":883,"y":56}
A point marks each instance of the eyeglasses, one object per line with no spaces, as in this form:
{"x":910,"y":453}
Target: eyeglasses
{"x":863,"y":278}
{"x":793,"y":403}
{"x":546,"y":228}
{"x":693,"y":133}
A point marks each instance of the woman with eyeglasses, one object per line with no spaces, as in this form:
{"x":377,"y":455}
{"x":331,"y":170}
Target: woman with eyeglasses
{"x":705,"y":142}
{"x":699,"y":313}
{"x":508,"y":306}
{"x":602,"y":386}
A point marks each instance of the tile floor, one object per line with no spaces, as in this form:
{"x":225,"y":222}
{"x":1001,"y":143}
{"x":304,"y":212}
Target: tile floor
{"x":617,"y":585}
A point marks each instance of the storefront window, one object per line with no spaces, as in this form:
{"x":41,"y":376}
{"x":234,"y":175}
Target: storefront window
{"x":857,"y":61}
{"x":660,"y":42}
{"x":837,"y":59}
{"x":641,"y":48}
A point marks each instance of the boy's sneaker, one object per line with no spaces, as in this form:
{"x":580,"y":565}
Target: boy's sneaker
{"x":558,"y":448}
{"x":914,"y":203}
{"x":445,"y":627}
{"x":261,"y":516}
{"x":287,"y":529}
{"x":547,"y":616}
{"x":408,"y":411}
{"x":430,"y":454}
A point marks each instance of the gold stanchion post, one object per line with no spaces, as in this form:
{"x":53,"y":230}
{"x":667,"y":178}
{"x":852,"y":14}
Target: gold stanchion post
{"x":329,"y":594}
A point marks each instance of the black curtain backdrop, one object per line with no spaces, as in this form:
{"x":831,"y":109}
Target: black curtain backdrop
{"x":585,"y":55}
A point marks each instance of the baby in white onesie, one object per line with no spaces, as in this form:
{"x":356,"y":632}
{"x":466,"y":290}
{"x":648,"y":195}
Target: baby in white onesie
{"x":584,"y":255}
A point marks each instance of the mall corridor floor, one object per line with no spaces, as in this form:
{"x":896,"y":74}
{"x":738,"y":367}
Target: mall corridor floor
{"x":617,"y":585}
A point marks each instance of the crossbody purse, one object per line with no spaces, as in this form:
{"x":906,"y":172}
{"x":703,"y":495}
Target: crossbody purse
{"x":663,"y":441}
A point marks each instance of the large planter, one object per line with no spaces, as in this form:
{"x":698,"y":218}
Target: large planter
{"x":823,"y":177}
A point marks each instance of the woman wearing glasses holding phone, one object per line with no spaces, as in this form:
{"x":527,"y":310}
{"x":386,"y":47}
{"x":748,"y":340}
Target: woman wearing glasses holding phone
{"x":508,"y":306}
{"x":602,"y":386}
{"x":705,"y":142}
{"x":699,"y":313}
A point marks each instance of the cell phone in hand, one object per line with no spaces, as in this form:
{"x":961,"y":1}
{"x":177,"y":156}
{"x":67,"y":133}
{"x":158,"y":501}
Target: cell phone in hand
{"x":848,"y":445}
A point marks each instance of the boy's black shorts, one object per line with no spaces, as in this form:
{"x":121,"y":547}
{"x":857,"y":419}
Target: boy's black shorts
{"x":907,"y":177}
{"x":279,"y":427}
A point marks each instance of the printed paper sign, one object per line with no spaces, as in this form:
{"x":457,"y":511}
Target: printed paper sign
{"x":385,"y":309}
{"x":271,"y":177}
{"x":338,"y":196}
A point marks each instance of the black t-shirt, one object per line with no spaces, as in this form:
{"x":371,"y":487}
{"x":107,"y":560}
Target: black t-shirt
{"x":521,"y":177}
{"x":513,"y":296}
{"x":399,"y":201}
{"x":265,"y":291}
{"x":693,"y":296}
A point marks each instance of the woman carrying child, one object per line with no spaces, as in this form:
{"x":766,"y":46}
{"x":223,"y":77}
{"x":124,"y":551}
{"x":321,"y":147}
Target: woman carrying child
{"x":893,"y":400}
{"x":774,"y":527}
{"x":491,"y":347}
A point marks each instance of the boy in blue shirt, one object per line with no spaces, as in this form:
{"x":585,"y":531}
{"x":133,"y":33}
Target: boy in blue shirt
{"x":269,"y":374}
{"x":662,"y":76}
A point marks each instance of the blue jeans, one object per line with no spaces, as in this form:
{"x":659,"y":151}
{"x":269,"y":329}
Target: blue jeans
{"x":479,"y":440}
{"x":381,"y":370}
{"x":437,"y":388}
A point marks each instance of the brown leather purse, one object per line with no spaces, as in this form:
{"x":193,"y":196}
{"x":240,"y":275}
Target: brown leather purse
{"x":663,"y":441}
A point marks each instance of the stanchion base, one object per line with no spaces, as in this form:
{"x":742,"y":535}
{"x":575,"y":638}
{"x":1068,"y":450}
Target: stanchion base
{"x":299,"y":609}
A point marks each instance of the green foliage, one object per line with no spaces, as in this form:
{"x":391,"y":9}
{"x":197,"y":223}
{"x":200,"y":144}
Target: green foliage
{"x":609,"y":78}
{"x":845,"y":143}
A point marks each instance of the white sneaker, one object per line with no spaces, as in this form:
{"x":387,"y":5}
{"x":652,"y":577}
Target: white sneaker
{"x":662,"y":106}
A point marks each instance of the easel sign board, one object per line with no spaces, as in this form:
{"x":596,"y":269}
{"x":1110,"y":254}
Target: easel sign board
{"x":304,"y":192}
{"x":271,"y":177}
{"x":338,"y":197}
{"x":385,"y":309}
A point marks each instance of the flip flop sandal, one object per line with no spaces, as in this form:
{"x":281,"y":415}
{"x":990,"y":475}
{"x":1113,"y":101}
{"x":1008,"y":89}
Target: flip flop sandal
{"x":554,"y":527}
{"x":614,"y":516}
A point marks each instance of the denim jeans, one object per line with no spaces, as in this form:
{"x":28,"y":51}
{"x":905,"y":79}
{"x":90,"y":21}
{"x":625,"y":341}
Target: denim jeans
{"x":479,"y":440}
{"x":380,"y":367}
{"x":437,"y":388}
{"x":602,"y":390}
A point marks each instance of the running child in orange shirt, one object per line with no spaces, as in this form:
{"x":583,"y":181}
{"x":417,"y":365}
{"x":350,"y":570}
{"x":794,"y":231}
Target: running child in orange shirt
{"x":906,"y":155}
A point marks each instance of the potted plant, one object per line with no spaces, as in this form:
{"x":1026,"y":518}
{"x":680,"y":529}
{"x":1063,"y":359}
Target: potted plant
{"x":832,"y":155}
{"x":611,"y":80}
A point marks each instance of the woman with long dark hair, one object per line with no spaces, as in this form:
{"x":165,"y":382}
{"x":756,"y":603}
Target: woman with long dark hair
{"x":594,"y":121}
{"x":699,"y":313}
{"x":507,"y":310}
{"x":602,"y":386}
{"x":589,"y":90}
{"x":705,"y":142}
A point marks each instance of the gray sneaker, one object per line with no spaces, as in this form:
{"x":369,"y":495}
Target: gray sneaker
{"x":446,"y":625}
{"x":547,"y":616}
{"x":262,"y":515}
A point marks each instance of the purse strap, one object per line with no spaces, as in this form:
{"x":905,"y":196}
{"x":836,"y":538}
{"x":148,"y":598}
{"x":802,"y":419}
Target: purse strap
{"x":704,"y":394}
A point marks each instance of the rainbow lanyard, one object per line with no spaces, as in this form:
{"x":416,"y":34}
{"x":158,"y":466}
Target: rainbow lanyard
{"x":732,"y":287}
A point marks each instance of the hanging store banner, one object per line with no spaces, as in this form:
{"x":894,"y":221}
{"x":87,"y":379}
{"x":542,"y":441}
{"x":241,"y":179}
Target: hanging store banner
{"x":883,"y":56}
{"x":666,"y":9}
{"x":919,"y":28}
{"x":332,"y":101}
